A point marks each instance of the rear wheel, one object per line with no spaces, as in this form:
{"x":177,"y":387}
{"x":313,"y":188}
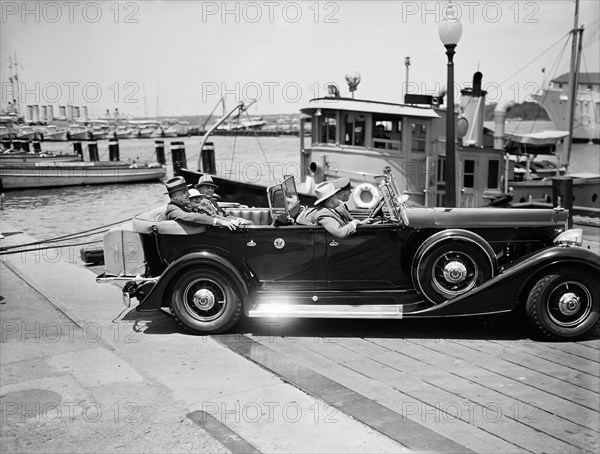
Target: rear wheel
{"x":564,"y":304}
{"x":451,"y":269}
{"x":206,"y":302}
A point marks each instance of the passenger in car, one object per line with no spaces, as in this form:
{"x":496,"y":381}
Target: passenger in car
{"x":206,"y":191}
{"x":179,"y":207}
{"x":324,"y":212}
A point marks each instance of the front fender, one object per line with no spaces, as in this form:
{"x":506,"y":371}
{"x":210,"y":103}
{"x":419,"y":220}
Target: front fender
{"x":502,"y":292}
{"x":220,"y":259}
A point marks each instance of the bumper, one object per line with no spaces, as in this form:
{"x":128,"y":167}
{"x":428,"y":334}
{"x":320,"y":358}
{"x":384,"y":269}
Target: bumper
{"x":133,"y":283}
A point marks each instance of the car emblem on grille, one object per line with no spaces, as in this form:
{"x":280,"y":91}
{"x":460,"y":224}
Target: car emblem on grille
{"x":279,"y":243}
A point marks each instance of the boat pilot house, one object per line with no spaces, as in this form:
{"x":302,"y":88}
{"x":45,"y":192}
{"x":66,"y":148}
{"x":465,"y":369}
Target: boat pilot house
{"x":361,"y":139}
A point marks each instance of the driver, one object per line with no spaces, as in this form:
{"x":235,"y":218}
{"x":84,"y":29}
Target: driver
{"x":325,"y":212}
{"x":345,"y":187}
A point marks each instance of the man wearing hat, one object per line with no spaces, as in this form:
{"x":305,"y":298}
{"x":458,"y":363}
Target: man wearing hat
{"x":206,"y":191}
{"x":345,"y":187}
{"x":325,"y":212}
{"x":178,"y":208}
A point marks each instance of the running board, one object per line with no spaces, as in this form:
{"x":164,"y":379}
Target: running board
{"x":380,"y":311}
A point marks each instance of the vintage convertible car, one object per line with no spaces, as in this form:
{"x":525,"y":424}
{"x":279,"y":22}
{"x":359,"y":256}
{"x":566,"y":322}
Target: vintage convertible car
{"x":411,"y":262}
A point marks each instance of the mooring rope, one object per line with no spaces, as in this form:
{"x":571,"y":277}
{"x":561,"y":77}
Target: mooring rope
{"x":71,"y":236}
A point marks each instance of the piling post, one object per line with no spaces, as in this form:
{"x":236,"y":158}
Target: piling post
{"x":25,"y":146}
{"x":178,"y":157}
{"x":159,"y":145}
{"x":113,"y":150}
{"x":78,"y":148}
{"x":37,"y":146}
{"x":208,"y":158}
{"x":563,"y":187}
{"x":93,"y":150}
{"x":7,"y":143}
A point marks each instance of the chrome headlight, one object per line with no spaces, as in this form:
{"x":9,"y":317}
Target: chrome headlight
{"x":572,"y":237}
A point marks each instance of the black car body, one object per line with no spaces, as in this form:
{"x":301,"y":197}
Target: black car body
{"x":412,"y":262}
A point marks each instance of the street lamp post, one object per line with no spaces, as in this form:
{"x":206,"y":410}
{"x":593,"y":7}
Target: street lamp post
{"x":450,"y":30}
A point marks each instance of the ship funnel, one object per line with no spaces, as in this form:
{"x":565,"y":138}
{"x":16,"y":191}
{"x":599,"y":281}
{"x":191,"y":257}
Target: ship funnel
{"x":472,"y":107}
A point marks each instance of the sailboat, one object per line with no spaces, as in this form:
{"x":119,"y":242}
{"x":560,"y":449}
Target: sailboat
{"x":586,"y":186}
{"x":577,"y":110}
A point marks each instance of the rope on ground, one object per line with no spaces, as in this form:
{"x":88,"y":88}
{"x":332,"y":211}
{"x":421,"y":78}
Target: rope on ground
{"x":70,"y":236}
{"x":60,"y":246}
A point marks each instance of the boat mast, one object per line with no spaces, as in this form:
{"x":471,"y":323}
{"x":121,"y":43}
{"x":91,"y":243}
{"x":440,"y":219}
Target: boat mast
{"x":241,"y":106}
{"x":576,"y":48}
{"x":14,"y":82}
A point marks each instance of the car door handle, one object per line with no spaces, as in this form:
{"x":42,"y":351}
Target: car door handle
{"x":334,"y":243}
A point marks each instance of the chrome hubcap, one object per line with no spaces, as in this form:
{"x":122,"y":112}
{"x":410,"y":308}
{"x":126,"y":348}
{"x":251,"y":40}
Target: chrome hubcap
{"x":455,"y":272}
{"x":204,"y":299}
{"x":569,"y":303}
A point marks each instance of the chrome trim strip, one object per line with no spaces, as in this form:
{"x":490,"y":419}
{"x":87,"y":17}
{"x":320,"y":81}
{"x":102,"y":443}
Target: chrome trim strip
{"x":327,"y":311}
{"x":107,"y":279}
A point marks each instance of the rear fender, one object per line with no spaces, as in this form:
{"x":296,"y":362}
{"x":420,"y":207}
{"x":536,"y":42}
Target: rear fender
{"x":220,"y":259}
{"x":502,"y":293}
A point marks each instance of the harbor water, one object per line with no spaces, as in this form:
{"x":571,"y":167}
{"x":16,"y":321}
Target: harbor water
{"x":53,"y":212}
{"x":50,"y":213}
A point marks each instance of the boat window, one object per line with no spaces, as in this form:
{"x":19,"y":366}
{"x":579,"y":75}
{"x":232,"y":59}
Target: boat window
{"x":419,"y":137}
{"x":440,"y":200}
{"x":469,"y":174}
{"x":354,"y":132}
{"x":441,"y":173}
{"x":386,"y":132}
{"x":493,"y":171}
{"x":327,"y":127}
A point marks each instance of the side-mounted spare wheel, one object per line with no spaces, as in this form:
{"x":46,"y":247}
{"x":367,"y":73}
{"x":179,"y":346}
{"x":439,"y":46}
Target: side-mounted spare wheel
{"x":565,"y":304}
{"x":206,"y":301}
{"x":444,"y":268}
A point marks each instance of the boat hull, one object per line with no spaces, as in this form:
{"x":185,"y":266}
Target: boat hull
{"x":14,"y":158}
{"x":57,"y":174}
{"x":585,"y":194}
{"x":251,"y":194}
{"x":586,"y":122}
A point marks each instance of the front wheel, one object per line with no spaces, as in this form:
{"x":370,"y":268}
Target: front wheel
{"x":564,"y":304}
{"x":205,"y":302}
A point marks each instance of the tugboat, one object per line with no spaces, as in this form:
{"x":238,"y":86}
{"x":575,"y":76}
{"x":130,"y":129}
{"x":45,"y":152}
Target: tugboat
{"x":361,"y":139}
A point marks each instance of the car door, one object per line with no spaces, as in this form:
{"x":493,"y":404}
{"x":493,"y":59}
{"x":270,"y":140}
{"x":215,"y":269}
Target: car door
{"x":281,"y":257}
{"x":368,"y":259}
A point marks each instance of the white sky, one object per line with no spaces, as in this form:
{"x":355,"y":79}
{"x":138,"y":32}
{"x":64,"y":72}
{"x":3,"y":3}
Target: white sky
{"x":109,"y":54}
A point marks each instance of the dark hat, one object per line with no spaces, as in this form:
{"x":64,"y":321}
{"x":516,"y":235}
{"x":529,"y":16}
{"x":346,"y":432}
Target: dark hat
{"x":206,"y":180}
{"x":175,"y":184}
{"x":343,"y":183}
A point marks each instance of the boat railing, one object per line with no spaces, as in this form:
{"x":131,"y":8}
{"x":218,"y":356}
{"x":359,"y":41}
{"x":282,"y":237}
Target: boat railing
{"x":387,"y":144}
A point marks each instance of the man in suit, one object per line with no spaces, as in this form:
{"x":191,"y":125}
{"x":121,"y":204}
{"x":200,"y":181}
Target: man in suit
{"x":179,"y":210}
{"x":206,"y":188}
{"x":324,"y":212}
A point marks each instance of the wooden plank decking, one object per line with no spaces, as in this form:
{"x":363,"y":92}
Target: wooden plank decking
{"x":492,"y":393}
